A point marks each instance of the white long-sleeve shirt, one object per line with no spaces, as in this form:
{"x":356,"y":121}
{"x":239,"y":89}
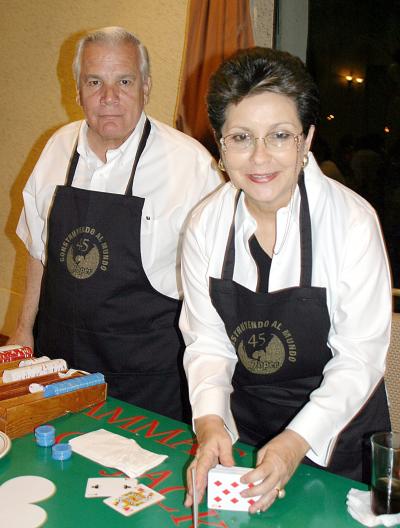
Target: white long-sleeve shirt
{"x":174,"y":173}
{"x":349,"y":260}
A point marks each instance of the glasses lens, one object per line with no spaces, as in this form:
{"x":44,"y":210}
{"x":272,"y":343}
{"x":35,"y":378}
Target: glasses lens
{"x":280,"y":140}
{"x":238,"y":141}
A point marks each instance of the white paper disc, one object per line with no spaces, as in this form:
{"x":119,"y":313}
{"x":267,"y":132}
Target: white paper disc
{"x":27,"y":489}
{"x":19,"y":515}
{"x":5,"y":444}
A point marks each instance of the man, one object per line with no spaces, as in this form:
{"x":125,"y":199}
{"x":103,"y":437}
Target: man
{"x":103,"y":214}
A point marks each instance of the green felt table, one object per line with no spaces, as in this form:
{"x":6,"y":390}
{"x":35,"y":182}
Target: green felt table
{"x":314,"y":498}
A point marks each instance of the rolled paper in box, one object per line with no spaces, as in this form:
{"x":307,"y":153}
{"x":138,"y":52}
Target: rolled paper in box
{"x":73,"y":384}
{"x":32,"y":371}
{"x":32,"y":361}
{"x":14,"y":353}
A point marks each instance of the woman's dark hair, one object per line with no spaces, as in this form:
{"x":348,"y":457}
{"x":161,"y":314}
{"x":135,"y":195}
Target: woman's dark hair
{"x":257,"y":70}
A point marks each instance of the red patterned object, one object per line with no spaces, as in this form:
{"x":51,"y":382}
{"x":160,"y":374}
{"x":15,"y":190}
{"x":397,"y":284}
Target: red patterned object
{"x":14,"y":353}
{"x":224,"y":489}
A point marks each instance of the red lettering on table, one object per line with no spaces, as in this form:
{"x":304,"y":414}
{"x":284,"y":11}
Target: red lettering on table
{"x":59,"y":438}
{"x":105,"y":473}
{"x":157,"y":477}
{"x":209,"y":513}
{"x":189,"y":441}
{"x":151,"y":434}
{"x":114,"y":415}
{"x":167,"y":508}
{"x":239,"y":451}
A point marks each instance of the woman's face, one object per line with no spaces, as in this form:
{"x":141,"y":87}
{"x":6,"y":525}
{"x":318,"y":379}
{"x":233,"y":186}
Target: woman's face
{"x":266,"y":174}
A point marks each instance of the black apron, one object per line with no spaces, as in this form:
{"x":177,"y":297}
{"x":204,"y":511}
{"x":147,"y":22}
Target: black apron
{"x":281,"y":342}
{"x":97,"y":307}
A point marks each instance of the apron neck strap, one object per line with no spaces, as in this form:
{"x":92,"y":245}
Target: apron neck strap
{"x":229,"y":259}
{"x":142,"y":143}
{"x":140,"y":149}
{"x":305,"y":239}
{"x":305,"y":236}
{"x":72,"y":165}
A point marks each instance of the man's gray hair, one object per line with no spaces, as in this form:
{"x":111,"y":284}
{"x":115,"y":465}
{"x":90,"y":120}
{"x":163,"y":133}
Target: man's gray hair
{"x":111,"y":35}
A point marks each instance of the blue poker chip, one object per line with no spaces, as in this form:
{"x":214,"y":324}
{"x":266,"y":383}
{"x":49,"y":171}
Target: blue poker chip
{"x":61,"y":451}
{"x":45,"y":435}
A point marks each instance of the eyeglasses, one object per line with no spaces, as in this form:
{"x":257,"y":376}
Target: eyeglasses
{"x":275,"y":141}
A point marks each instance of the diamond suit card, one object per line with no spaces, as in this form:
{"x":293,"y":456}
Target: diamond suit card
{"x":224,"y":489}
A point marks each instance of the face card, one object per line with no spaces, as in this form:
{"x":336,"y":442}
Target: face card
{"x":195,"y":500}
{"x":109,"y":486}
{"x":224,"y":489}
{"x":139,"y":498}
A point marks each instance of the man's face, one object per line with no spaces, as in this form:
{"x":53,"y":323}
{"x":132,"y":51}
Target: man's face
{"x":112,"y":92}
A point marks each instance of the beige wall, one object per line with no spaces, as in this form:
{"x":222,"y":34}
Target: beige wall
{"x":37,"y":94}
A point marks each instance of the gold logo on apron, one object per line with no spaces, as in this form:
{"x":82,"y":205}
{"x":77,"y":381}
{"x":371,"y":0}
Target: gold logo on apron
{"x":261,"y":351}
{"x":84,"y":251}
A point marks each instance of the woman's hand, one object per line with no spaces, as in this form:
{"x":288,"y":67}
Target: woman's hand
{"x":276,"y":463}
{"x":214,"y":446}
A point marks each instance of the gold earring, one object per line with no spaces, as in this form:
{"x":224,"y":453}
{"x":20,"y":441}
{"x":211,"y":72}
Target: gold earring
{"x":305,"y":161}
{"x":221,"y":165}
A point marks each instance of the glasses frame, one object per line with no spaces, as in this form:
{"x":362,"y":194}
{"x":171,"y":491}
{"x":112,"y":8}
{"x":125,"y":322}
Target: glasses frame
{"x":296,"y":137}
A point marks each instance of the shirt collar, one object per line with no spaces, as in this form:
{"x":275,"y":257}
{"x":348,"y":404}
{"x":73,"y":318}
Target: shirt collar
{"x":127,"y":150}
{"x":246,"y":225}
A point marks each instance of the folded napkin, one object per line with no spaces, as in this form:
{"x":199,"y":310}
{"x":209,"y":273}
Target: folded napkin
{"x":359,"y":506}
{"x":113,"y":450}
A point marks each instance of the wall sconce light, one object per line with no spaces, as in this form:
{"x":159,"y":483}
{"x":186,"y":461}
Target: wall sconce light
{"x":330,"y":117}
{"x":350,"y":80}
{"x":386,"y":130}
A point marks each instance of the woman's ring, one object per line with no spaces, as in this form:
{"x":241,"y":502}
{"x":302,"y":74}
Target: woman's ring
{"x":280,"y":493}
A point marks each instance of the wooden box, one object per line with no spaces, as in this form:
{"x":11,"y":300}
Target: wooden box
{"x":20,"y":414}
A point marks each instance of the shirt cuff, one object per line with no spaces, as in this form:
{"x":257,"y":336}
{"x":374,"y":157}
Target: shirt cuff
{"x":318,"y":436}
{"x":212,"y":403}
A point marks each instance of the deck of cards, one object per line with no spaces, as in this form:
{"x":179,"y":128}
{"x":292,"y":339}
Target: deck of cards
{"x":224,"y":489}
{"x":124,"y":495}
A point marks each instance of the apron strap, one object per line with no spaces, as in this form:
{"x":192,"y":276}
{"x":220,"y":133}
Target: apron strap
{"x":305,"y":239}
{"x":140,"y":149}
{"x":72,"y":165}
{"x":305,"y":236}
{"x":229,"y":259}
{"x":142,"y":143}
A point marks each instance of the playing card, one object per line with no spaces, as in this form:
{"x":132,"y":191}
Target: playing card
{"x":137,"y":499}
{"x":195,"y":500}
{"x":224,"y":489}
{"x":109,"y":486}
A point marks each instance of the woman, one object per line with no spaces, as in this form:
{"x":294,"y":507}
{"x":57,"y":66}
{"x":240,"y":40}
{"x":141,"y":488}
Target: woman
{"x":287,"y":290}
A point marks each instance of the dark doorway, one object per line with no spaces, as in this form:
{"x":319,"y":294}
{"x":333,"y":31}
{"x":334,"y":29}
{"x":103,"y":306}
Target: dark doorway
{"x":354,"y":54}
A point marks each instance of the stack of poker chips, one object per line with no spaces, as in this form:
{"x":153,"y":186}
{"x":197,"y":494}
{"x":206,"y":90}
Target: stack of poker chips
{"x":14,"y":353}
{"x":73,"y":384}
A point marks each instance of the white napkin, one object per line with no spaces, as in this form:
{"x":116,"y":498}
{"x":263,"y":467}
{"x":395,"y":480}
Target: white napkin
{"x":113,"y":450}
{"x":359,"y":506}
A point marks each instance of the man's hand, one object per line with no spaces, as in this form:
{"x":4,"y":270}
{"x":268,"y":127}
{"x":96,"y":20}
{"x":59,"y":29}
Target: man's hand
{"x":276,"y":463}
{"x":214,"y":446}
{"x":23,"y":333}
